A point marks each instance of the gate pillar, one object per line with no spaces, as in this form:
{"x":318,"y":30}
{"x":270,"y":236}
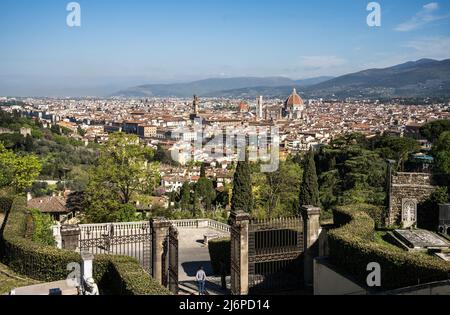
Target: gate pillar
{"x":311,"y":219}
{"x":239,"y":222}
{"x":160,"y":229}
{"x":70,"y":237}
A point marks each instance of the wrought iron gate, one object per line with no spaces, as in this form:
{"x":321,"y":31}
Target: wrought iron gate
{"x":129,"y":239}
{"x":170,"y":260}
{"x":275,"y":254}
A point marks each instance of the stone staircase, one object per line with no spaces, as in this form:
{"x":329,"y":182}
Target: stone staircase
{"x":212,"y":287}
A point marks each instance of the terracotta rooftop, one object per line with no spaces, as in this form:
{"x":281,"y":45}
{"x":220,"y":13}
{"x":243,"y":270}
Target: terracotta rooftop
{"x":49,"y":204}
{"x":294,"y":99}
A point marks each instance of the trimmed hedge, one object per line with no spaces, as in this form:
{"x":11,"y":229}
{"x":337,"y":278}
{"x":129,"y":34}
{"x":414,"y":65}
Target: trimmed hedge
{"x":115,"y":274}
{"x":220,"y":251}
{"x":352,"y":248}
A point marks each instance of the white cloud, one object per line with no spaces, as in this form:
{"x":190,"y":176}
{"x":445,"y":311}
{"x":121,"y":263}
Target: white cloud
{"x":423,"y":17}
{"x":437,"y":47}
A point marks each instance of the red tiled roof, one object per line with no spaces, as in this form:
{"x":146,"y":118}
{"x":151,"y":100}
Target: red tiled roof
{"x":294,"y":99}
{"x":49,"y":204}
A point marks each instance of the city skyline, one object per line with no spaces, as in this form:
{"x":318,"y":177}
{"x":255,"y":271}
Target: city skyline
{"x":123,"y":44}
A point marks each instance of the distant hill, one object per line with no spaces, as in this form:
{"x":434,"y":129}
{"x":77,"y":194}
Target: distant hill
{"x":215,"y":87}
{"x":422,"y":78}
{"x":312,"y":81}
{"x":203,"y":87}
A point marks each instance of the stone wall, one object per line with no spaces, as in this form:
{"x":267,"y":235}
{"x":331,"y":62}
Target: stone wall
{"x":416,"y":186}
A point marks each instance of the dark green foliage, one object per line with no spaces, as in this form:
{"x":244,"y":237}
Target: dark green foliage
{"x":441,"y":153}
{"x":277,"y":193}
{"x":58,"y":153}
{"x":42,"y":228}
{"x":114,"y":274}
{"x":220,"y":253}
{"x":185,"y":196}
{"x":428,"y":211}
{"x":203,"y":171}
{"x":396,"y":148}
{"x":120,"y":275}
{"x":433,"y":130}
{"x":352,"y":248}
{"x":205,"y":193}
{"x":350,"y":172}
{"x":242,"y":199}
{"x":81,"y":131}
{"x":309,"y":189}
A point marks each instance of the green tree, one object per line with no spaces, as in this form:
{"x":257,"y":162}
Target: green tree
{"x":18,"y":172}
{"x":56,"y":129}
{"x":309,"y":189}
{"x":42,"y":228}
{"x":397,"y":148}
{"x":28,"y":144}
{"x":433,"y":130}
{"x":203,"y":171}
{"x":122,"y":171}
{"x":242,"y":198}
{"x":428,"y":211}
{"x":185,"y":196}
{"x":280,"y":191}
{"x":205,"y":193}
{"x":441,"y":152}
{"x":81,"y":131}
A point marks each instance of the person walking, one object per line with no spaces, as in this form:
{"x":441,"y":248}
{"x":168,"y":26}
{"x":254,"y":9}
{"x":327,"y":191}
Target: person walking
{"x":201,"y":280}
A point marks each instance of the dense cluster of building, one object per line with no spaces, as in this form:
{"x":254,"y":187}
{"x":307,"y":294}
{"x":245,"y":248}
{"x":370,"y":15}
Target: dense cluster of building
{"x":211,"y":129}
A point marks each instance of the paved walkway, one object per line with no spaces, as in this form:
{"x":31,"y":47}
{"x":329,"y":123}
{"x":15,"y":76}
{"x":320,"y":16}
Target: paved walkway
{"x":192,"y":254}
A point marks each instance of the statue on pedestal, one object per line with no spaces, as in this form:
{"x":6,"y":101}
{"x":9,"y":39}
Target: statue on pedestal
{"x":91,"y":287}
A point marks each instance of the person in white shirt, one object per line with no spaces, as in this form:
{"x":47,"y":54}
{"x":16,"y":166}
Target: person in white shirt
{"x":201,"y":280}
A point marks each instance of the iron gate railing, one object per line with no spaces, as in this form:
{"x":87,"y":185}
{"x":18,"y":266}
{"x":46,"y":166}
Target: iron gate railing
{"x":275,"y":254}
{"x":132,"y":239}
{"x":170,"y":260}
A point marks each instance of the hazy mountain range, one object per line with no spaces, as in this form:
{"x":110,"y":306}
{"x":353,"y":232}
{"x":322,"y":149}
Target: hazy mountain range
{"x":215,"y":87}
{"x":422,"y":78}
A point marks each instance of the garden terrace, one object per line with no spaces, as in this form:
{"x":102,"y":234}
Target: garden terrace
{"x":115,"y":274}
{"x":353,"y":246}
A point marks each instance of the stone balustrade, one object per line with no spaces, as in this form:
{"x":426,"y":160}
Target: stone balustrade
{"x":201,"y":223}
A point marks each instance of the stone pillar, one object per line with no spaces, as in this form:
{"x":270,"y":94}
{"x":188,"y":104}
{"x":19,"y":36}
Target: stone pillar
{"x":70,"y":237}
{"x":160,"y":230}
{"x":389,"y":219}
{"x":311,"y":221}
{"x":57,"y":235}
{"x":239,"y":222}
{"x":87,"y":270}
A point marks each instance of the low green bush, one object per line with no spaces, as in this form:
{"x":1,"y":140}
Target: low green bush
{"x":352,"y":248}
{"x":220,"y":253}
{"x":114,"y":274}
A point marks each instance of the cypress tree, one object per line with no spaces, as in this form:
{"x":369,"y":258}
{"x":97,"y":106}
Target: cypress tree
{"x":185,"y":196}
{"x":203,"y":171}
{"x":242,"y":198}
{"x":309,"y":190}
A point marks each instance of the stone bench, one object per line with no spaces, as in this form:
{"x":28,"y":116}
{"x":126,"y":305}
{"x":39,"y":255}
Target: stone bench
{"x":208,"y":237}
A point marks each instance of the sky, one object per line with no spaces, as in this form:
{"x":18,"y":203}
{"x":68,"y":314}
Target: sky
{"x":123,"y":43}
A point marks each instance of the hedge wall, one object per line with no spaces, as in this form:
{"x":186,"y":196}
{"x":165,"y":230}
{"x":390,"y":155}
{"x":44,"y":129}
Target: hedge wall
{"x":220,"y":251}
{"x":115,"y":274}
{"x":352,"y":249}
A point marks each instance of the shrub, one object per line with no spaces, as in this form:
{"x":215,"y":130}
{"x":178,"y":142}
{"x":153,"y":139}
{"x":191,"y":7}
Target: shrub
{"x":352,"y":248}
{"x":220,"y":252}
{"x":42,"y":228}
{"x":114,"y":274}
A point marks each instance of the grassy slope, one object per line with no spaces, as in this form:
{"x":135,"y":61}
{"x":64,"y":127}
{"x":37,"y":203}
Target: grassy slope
{"x":10,"y":280}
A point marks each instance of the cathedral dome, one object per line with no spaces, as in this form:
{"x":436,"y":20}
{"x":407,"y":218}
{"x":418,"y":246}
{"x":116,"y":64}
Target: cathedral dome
{"x":294,"y":100}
